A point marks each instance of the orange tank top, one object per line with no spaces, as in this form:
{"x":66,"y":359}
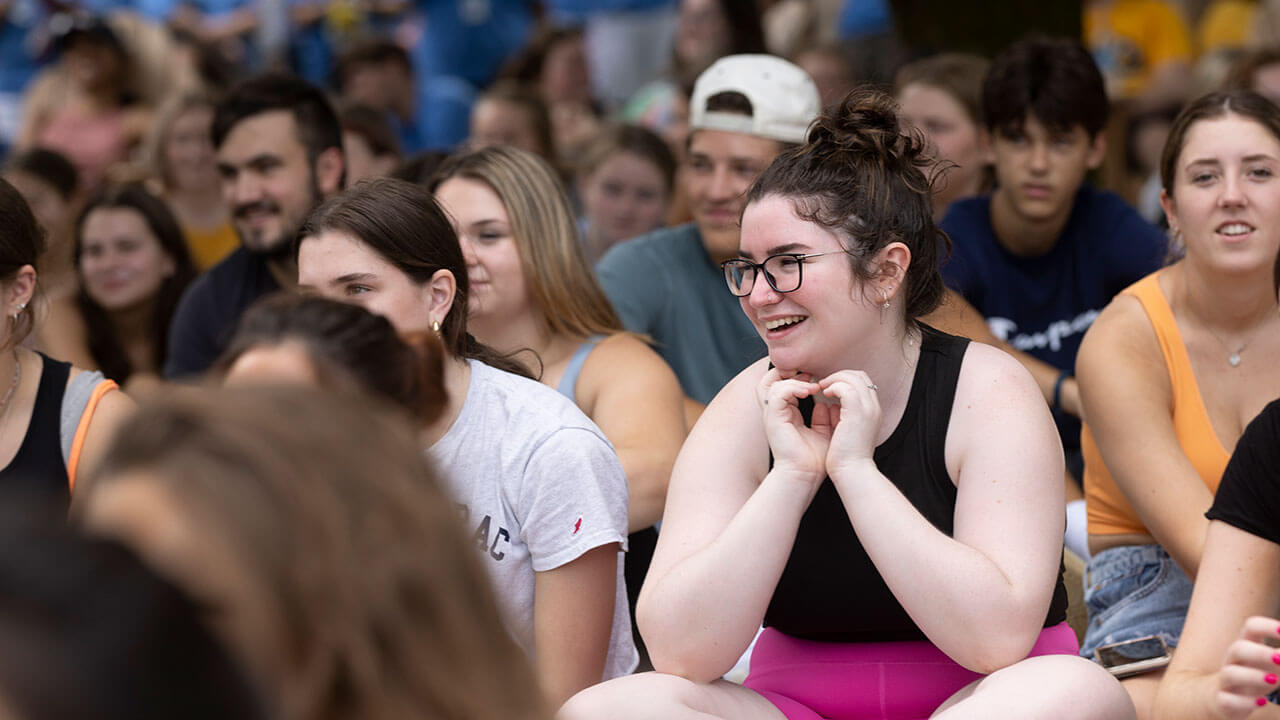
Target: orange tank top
{"x":1109,"y":511}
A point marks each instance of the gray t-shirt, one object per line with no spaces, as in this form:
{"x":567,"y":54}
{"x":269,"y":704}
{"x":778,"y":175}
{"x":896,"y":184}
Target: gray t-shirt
{"x":538,"y":485}
{"x":664,"y":285}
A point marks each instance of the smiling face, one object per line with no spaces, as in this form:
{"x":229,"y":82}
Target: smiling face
{"x":122,"y":264}
{"x":803,"y":328}
{"x":720,"y":168}
{"x":268,"y":181}
{"x":624,"y":198}
{"x":1038,"y":171}
{"x":1226,"y":194}
{"x":336,"y":265}
{"x":494,"y":270}
{"x":954,"y":135}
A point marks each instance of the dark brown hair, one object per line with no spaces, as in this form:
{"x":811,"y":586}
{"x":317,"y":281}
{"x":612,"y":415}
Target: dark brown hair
{"x":104,"y":344}
{"x":351,"y":349}
{"x":862,"y":175}
{"x":402,"y":222}
{"x":1054,"y":80}
{"x":21,"y":243}
{"x":1245,"y":103}
{"x":381,"y":605}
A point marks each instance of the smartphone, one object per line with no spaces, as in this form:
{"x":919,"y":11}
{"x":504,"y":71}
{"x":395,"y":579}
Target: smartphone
{"x":1133,"y":657}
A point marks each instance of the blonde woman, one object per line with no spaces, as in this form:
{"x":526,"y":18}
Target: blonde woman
{"x":532,"y":291}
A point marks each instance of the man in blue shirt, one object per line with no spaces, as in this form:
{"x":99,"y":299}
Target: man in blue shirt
{"x":745,"y":110}
{"x":1045,"y":252}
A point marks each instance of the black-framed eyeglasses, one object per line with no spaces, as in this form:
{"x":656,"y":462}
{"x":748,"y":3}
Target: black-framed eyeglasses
{"x":781,"y":271}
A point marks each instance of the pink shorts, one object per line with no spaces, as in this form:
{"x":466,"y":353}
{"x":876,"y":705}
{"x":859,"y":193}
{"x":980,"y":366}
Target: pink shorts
{"x":810,"y":680}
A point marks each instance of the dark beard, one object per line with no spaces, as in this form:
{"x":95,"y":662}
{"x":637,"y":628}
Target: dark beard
{"x":282,"y":247}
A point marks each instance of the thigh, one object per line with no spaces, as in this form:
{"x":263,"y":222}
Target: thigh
{"x":651,"y":695}
{"x":1062,"y":687}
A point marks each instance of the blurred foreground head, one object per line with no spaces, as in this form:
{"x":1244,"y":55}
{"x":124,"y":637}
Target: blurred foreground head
{"x":312,"y":525}
{"x":87,"y":632}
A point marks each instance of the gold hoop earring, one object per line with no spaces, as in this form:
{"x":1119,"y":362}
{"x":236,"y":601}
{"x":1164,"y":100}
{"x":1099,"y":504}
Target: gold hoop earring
{"x":435,"y":326}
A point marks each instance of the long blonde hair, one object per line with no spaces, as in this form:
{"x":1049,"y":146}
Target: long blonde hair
{"x":546,"y":236}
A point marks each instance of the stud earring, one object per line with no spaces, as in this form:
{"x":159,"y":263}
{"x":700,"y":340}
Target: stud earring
{"x":885,"y":295}
{"x":435,"y":326}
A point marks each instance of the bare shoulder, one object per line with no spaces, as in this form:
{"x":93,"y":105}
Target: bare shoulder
{"x":990,"y":374}
{"x":735,"y":406}
{"x":623,"y":361}
{"x":1121,"y":353}
{"x":1000,"y":425}
{"x":627,"y":349}
{"x":1122,"y":326}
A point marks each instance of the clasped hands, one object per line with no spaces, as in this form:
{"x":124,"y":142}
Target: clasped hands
{"x":842,"y":432}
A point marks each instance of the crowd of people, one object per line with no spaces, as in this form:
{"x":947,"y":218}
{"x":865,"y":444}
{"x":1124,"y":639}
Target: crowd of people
{"x":639,"y":359}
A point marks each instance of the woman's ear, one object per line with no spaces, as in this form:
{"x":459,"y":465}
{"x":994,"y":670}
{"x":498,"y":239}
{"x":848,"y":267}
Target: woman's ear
{"x":894,"y":259}
{"x":19,"y":291}
{"x":439,"y":293}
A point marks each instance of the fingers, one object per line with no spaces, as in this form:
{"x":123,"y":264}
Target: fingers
{"x":853,"y":389}
{"x":1261,"y":629}
{"x":775,"y":390}
{"x":1251,"y":668}
{"x":1236,"y":706}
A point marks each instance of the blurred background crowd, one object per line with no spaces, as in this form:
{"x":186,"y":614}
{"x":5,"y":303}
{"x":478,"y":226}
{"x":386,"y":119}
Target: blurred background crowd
{"x":553,"y":191}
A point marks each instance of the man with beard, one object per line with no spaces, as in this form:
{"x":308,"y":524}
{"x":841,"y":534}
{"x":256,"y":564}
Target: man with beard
{"x":279,"y":147}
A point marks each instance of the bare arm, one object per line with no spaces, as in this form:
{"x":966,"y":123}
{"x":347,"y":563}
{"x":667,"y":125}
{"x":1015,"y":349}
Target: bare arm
{"x":728,"y":529}
{"x":1222,"y":659}
{"x":113,"y":409}
{"x":1128,"y":399}
{"x":635,"y":399}
{"x":573,"y":618}
{"x":981,"y":595}
{"x":958,"y":317}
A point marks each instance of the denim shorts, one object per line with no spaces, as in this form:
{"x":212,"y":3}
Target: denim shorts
{"x":1131,"y":592}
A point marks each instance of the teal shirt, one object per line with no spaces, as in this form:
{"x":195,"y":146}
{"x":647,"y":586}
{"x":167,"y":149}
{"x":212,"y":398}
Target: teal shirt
{"x":664,"y":285}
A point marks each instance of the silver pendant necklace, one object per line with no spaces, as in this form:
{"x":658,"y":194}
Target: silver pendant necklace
{"x":1233,"y":358}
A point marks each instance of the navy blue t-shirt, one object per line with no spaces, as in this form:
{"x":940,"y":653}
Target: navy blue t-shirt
{"x":1043,"y":305}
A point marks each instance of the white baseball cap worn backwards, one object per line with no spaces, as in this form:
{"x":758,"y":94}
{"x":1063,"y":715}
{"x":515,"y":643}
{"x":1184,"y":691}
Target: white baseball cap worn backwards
{"x":784,"y":100}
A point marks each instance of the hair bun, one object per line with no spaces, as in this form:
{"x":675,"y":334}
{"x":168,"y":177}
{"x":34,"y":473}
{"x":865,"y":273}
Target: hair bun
{"x":866,"y":123}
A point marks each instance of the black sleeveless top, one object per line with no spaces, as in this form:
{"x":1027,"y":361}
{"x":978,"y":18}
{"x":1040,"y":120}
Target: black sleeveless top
{"x":38,"y":469}
{"x":830,"y":590}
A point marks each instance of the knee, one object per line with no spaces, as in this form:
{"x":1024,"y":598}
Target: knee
{"x":646,"y":695}
{"x":1091,"y":692}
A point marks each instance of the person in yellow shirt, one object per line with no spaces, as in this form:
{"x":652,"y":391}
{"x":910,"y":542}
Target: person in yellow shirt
{"x":1143,"y":49}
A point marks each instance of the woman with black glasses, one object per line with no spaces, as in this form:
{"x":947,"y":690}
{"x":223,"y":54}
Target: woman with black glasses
{"x":884,"y":498}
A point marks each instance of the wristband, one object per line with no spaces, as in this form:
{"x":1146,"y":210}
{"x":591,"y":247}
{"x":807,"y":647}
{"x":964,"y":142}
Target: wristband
{"x":1057,"y":389}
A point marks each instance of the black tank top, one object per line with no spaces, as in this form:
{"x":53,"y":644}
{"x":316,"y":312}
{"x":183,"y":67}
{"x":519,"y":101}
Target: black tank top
{"x":38,"y":469}
{"x":830,"y":590}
